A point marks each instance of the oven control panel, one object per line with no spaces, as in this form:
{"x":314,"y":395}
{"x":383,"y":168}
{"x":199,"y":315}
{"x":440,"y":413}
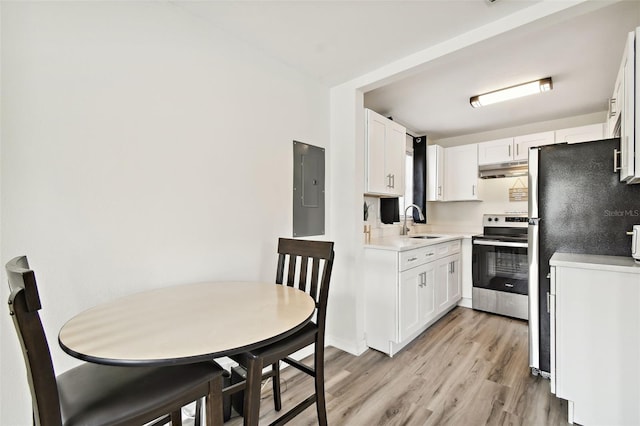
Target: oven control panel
{"x":492,"y":220}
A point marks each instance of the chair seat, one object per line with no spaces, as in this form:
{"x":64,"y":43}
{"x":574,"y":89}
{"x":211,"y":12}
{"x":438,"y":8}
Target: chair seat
{"x":304,"y":337}
{"x":94,"y":394}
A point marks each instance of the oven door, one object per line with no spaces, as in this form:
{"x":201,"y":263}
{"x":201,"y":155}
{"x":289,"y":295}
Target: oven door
{"x":500,"y":265}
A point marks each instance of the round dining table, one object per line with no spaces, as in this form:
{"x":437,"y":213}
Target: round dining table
{"x":186,"y":323}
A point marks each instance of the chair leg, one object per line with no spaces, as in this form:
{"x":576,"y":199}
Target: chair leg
{"x":277,"y":399}
{"x":197,"y":418}
{"x":213,"y":403}
{"x":176,"y":417}
{"x":252,"y":392}
{"x":321,"y":405}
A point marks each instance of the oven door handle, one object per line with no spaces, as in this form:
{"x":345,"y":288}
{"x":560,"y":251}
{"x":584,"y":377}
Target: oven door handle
{"x":500,"y":243}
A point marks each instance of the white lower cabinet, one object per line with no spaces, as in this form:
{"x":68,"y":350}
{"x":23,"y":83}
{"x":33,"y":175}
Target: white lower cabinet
{"x":408,"y":291}
{"x":595,"y":341}
{"x":416,"y":298}
{"x":448,"y":289}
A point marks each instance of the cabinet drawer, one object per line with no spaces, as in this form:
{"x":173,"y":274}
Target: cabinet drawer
{"x":446,"y":249}
{"x":412,"y":258}
{"x":454,"y":246}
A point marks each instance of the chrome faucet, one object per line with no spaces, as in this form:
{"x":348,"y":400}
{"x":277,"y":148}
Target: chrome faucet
{"x":405,"y":230}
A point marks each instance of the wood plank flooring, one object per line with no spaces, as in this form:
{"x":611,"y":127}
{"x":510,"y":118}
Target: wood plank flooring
{"x":470,"y":368}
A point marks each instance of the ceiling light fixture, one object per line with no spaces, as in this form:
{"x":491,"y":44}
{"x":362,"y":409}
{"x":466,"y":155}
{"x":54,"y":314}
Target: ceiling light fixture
{"x":518,"y":91}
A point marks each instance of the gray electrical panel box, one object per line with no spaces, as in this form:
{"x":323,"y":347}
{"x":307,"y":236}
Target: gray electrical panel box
{"x":308,"y":190}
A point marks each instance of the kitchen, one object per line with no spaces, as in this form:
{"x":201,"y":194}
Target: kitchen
{"x":125,"y":218}
{"x":582,"y":227}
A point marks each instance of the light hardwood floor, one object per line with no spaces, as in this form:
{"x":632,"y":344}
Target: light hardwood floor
{"x":470,"y":368}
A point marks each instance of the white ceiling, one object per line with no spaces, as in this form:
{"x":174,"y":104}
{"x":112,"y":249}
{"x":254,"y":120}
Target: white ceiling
{"x":335,"y":41}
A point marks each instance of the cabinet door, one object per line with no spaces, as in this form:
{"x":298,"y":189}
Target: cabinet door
{"x":442,"y":295}
{"x":521,"y":144}
{"x":386,"y":149}
{"x":395,"y":153}
{"x":427,"y":296}
{"x":435,"y":173}
{"x":453,"y":280}
{"x":592,"y":132}
{"x":409,"y":302}
{"x":376,"y":135}
{"x":627,"y":111}
{"x":613,"y":116}
{"x":495,"y":152}
{"x":461,"y":173}
{"x":552,"y":327}
{"x":636,"y":141}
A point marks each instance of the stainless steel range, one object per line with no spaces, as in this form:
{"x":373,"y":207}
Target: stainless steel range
{"x":500,"y":266}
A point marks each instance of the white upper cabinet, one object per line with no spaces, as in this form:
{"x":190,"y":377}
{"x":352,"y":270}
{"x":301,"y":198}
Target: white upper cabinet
{"x":385,"y":155}
{"x":435,"y":173}
{"x":591,"y":132}
{"x":511,"y":149}
{"x":495,"y":152}
{"x":521,"y":144}
{"x":461,"y":173}
{"x":613,"y":116}
{"x":627,"y":114}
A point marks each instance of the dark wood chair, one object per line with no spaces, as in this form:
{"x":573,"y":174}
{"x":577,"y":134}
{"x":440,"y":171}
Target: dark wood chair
{"x":307,"y":266}
{"x":93,"y":394}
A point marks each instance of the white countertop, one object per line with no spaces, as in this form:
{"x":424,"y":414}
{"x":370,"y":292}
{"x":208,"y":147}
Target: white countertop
{"x":599,"y":262}
{"x":405,"y":242}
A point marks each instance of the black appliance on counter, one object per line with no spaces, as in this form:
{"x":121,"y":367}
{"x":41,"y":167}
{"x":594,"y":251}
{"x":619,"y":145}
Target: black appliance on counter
{"x":500,"y":266}
{"x":577,"y":204}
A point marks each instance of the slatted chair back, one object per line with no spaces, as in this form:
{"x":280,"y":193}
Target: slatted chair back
{"x":307,"y":265}
{"x":24,"y":304}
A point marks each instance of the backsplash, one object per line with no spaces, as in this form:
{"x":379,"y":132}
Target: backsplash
{"x":495,"y":199}
{"x":460,"y":216}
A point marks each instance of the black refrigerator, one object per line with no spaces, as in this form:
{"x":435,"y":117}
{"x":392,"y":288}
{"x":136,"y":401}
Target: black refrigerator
{"x":577,"y":204}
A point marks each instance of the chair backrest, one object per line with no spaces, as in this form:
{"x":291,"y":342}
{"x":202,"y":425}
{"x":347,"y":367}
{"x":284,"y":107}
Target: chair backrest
{"x":307,"y":265}
{"x":24,"y":304}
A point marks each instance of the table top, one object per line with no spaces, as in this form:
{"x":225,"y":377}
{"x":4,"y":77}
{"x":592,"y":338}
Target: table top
{"x":186,"y":323}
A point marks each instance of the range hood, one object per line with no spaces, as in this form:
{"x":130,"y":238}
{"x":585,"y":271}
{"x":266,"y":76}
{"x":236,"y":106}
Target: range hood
{"x":513,"y":169}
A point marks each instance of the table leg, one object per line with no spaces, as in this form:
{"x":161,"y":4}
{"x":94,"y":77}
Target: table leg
{"x":252,"y":392}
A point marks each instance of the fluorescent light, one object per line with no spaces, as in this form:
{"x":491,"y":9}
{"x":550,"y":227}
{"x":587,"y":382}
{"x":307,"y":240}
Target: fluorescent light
{"x":524,"y":89}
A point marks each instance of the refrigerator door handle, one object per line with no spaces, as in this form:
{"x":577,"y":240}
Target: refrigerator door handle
{"x":534,"y":154}
{"x":534,"y":296}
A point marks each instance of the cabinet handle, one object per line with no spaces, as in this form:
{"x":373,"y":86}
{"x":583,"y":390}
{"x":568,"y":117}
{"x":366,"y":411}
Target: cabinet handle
{"x":439,"y":190}
{"x":509,"y":151}
{"x":517,"y":149}
{"x":612,"y":106}
{"x":393,"y":181}
{"x":389,"y":180}
{"x":473,"y":190}
{"x":412,"y":259}
{"x":616,"y":167}
{"x":432,"y":254}
{"x":548,"y":302}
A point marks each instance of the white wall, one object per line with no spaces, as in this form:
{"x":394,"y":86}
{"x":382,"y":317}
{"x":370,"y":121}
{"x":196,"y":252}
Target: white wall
{"x":140,"y":148}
